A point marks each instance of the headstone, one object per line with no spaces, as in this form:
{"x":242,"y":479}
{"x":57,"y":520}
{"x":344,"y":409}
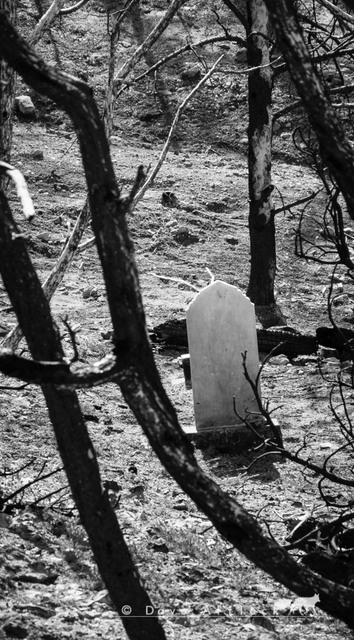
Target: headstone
{"x":221,"y":326}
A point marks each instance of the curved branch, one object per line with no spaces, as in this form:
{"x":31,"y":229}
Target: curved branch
{"x":75,"y":7}
{"x":139,"y":380}
{"x":45,"y":21}
{"x":188,"y":47}
{"x":337,"y":11}
{"x":52,"y":282}
{"x":59,"y":374}
{"x":174,"y":6}
{"x":335,"y":148}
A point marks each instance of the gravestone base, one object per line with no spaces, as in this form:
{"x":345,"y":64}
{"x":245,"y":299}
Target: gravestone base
{"x":238,"y":428}
{"x":228,"y":439}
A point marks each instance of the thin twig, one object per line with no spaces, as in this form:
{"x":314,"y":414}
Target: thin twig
{"x":163,"y":154}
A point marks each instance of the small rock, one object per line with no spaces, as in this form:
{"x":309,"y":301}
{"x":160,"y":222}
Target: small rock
{"x":241,"y":55}
{"x":159,"y":545}
{"x":190,"y":71}
{"x":262,"y":621}
{"x":90,"y":292}
{"x":169,"y":199}
{"x":182,"y":235}
{"x":25,"y":105}
{"x":70,"y":556}
{"x":108,"y":334}
{"x":44,"y":235}
{"x":231,"y":240}
{"x":37,"y":154}
{"x":217,"y":207}
{"x":279,"y":360}
{"x":14,"y":630}
{"x":148,"y":116}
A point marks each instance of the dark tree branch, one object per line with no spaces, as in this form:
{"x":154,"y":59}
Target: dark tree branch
{"x":76,"y":449}
{"x":335,"y":148}
{"x":139,"y":380}
{"x":188,"y":47}
{"x":59,"y":374}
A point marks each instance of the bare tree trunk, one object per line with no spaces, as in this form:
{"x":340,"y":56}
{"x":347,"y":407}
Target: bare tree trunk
{"x":76,"y":449}
{"x":7,"y":96}
{"x":335,"y":148}
{"x":261,"y":216}
{"x":138,"y":375}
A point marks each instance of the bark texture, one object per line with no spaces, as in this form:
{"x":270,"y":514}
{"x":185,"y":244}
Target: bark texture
{"x":261,"y":216}
{"x":7,"y":95}
{"x":139,"y":379}
{"x":76,"y":449}
{"x":335,"y":148}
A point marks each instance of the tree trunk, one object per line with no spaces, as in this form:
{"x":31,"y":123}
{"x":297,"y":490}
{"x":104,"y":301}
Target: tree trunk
{"x":335,"y":148}
{"x":138,"y":375}
{"x":261,"y":216}
{"x":7,"y":96}
{"x":76,"y":449}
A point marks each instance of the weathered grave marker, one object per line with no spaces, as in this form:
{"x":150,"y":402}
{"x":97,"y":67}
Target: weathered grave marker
{"x":221,"y":325}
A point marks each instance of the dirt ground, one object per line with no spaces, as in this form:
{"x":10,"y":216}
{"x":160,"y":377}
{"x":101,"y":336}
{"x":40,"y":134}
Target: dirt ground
{"x":50,"y":588}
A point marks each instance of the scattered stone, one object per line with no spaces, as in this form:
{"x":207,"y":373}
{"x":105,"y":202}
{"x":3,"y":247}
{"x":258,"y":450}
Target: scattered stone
{"x":70,"y":556}
{"x":14,"y":630}
{"x":169,"y":199}
{"x":37,"y":154}
{"x":190,"y":72}
{"x":148,"y":116}
{"x":241,"y":55}
{"x":159,"y":546}
{"x":231,"y":240}
{"x":279,"y":360}
{"x":90,"y":292}
{"x":262,"y":621}
{"x":44,"y":235}
{"x":217,"y":207}
{"x":182,"y":235}
{"x":108,"y":334}
{"x":25,"y":106}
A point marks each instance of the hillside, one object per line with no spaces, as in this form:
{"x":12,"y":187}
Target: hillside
{"x":50,"y":588}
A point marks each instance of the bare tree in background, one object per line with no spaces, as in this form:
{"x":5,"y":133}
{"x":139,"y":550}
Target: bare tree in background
{"x":7,"y":95}
{"x":131,"y":365}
